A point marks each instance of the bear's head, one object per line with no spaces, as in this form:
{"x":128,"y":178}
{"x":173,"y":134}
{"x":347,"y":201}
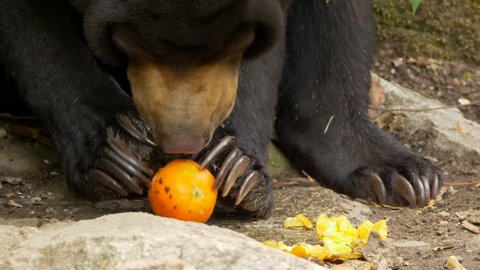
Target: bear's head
{"x":184,"y":57}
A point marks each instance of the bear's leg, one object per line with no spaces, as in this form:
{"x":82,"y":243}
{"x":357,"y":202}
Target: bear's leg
{"x":251,"y":125}
{"x":92,"y":121}
{"x":322,"y":122}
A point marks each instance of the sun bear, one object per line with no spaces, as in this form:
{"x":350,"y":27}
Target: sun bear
{"x":112,"y":80}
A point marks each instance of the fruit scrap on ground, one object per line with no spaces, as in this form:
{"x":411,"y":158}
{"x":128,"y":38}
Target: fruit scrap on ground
{"x":341,"y":241}
{"x":184,"y":191}
{"x":299,"y":220}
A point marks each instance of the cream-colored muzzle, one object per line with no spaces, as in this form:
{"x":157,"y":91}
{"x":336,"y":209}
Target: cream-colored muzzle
{"x":183,"y":107}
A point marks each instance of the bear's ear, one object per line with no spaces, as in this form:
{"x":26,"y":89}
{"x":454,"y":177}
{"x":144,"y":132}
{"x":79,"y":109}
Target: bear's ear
{"x":184,"y":105}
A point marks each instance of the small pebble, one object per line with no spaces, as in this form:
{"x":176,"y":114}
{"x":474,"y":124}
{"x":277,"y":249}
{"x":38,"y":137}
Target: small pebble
{"x":443,"y":214}
{"x":443,"y":222}
{"x":456,"y":82}
{"x":397,"y":62}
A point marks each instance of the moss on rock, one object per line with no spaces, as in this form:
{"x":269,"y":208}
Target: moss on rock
{"x":442,"y":29}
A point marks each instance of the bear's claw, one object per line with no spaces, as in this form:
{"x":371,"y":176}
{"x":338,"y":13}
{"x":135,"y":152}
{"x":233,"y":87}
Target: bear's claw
{"x":135,"y":126}
{"x":252,"y":181}
{"x":402,"y":186}
{"x":238,"y":169}
{"x":233,"y":167}
{"x":215,"y":153}
{"x":121,"y":165}
{"x":416,"y":189}
{"x":105,"y":180}
{"x":131,"y":161}
{"x":227,"y":166}
{"x":377,"y":186}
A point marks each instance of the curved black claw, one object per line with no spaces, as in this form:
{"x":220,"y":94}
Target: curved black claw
{"x":135,"y":126}
{"x":252,"y":181}
{"x":105,"y":180}
{"x":377,"y":186}
{"x":414,"y":187}
{"x":404,"y":188}
{"x":435,"y":186}
{"x":120,"y":175}
{"x":238,"y":169}
{"x":421,"y":197}
{"x":239,"y":178}
{"x":121,"y":165}
{"x":126,"y":156}
{"x":227,"y":166}
{"x":426,"y":186}
{"x":220,"y":148}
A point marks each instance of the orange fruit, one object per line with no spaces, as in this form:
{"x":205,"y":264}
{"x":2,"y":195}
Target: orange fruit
{"x":183,"y":191}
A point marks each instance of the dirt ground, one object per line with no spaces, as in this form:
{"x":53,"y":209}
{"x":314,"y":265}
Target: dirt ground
{"x":32,"y":199}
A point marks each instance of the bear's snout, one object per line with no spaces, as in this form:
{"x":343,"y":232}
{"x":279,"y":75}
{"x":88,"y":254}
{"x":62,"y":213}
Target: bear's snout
{"x":184,"y":107}
{"x":191,"y":145}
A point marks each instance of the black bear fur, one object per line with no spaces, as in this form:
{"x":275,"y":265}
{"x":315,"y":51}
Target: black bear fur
{"x":305,"y":78}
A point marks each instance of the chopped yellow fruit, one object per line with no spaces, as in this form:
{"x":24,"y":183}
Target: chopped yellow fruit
{"x":381,"y":228}
{"x":299,"y":220}
{"x":300,"y":249}
{"x":341,"y":241}
{"x":364,"y":229}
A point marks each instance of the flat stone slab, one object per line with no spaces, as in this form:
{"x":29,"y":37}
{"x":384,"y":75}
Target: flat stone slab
{"x":19,"y":156}
{"x":138,"y":241}
{"x":443,"y":123}
{"x":310,"y":201}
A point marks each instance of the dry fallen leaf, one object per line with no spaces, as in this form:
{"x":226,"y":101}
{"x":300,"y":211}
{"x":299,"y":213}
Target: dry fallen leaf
{"x":14,"y":204}
{"x":459,"y":128}
{"x":470,"y":227}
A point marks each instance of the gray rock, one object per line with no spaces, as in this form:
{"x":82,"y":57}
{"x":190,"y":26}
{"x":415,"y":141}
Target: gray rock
{"x":355,"y":211}
{"x":19,"y":156}
{"x":411,"y":244}
{"x":473,"y":244}
{"x":138,"y":241}
{"x":310,"y":201}
{"x":409,"y":249}
{"x":11,"y":235}
{"x":439,"y":122}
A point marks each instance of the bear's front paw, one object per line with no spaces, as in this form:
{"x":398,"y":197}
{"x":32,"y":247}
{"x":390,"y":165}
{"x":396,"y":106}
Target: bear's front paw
{"x":239,"y":179}
{"x":410,"y":181}
{"x":121,"y":166}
